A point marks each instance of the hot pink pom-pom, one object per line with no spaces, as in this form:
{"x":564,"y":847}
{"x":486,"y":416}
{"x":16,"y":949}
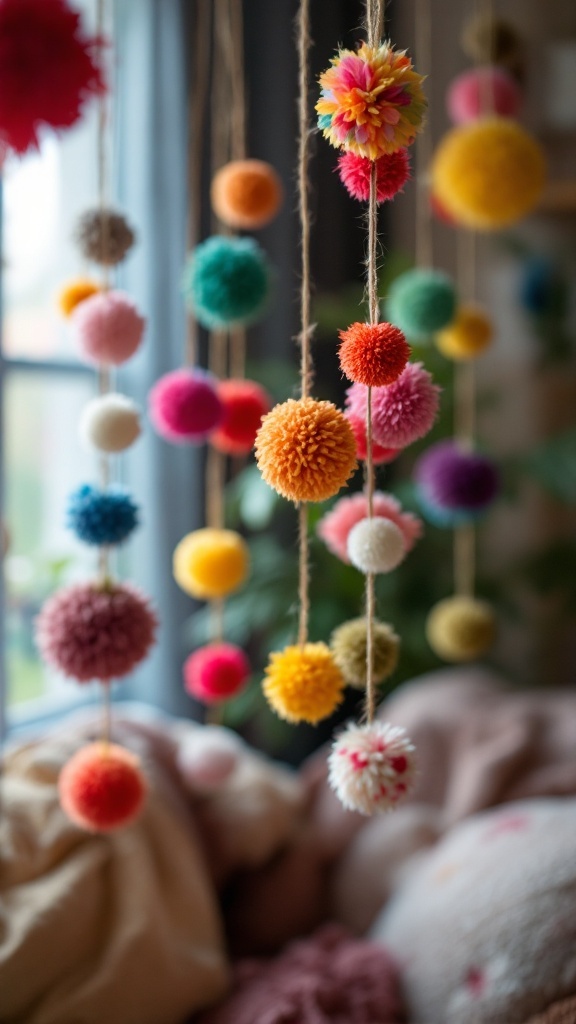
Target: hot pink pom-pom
{"x":108,"y":328}
{"x":91,"y":632}
{"x":216,"y":672}
{"x":184,"y":405}
{"x":403,"y":412}
{"x":479,"y":90}
{"x":380,"y":455}
{"x":334,"y":528}
{"x":371,"y":767}
{"x":392,"y":173}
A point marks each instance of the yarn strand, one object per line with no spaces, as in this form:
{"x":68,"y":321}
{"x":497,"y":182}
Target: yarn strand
{"x":197,"y":117}
{"x":424,"y":147}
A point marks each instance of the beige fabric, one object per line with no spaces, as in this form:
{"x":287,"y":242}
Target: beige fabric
{"x":563,"y":1012}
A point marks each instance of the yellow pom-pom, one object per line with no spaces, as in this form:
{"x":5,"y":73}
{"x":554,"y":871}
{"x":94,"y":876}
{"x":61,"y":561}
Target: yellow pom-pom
{"x":348,"y":645}
{"x":75,"y":292}
{"x":303,"y":684}
{"x":461,"y":628}
{"x":468,"y":335}
{"x":488,"y":174}
{"x":210,"y":563}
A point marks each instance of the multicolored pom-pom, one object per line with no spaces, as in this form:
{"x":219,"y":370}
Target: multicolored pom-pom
{"x":469,"y":334}
{"x":480,"y":89}
{"x":303,"y":683}
{"x":216,"y":672}
{"x":110,"y":423}
{"x":392,"y":173}
{"x":461,"y":628}
{"x":74,"y":292}
{"x":246,"y":194}
{"x":211,"y":563}
{"x":371,"y":767}
{"x":421,"y":302}
{"x":185,"y":406}
{"x":102,"y":517}
{"x":102,"y":787}
{"x":375,"y":546}
{"x":452,"y":478}
{"x":227,"y":282}
{"x":373,"y":354}
{"x":108,"y":328}
{"x":403,"y":412}
{"x":380,"y":454}
{"x":348,"y":644}
{"x":244,"y":405}
{"x":104,"y":236}
{"x":335,"y":526}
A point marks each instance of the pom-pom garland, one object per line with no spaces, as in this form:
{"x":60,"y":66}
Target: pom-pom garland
{"x":104,"y":236}
{"x":108,"y":328}
{"x":468,"y":336}
{"x":227,"y":282}
{"x":421,"y":302}
{"x":461,"y":628}
{"x":334,"y":527}
{"x":211,"y":563}
{"x":451,"y":478}
{"x":403,"y":412}
{"x":371,"y":767}
{"x":102,"y":787}
{"x":184,"y":405}
{"x":303,"y":683}
{"x":75,"y":292}
{"x":373,"y":354}
{"x":102,"y":517}
{"x":305,"y":449}
{"x":376,"y":545}
{"x":392,"y":173}
{"x":380,"y":454}
{"x":244,"y":404}
{"x":371,"y":101}
{"x":466,"y":99}
{"x":110,"y":423}
{"x":90,"y":631}
{"x":246,"y":194}
{"x":216,"y":672}
{"x":348,"y":646}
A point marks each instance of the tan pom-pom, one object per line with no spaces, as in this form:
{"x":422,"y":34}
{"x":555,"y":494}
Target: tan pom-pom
{"x":461,"y":628}
{"x":348,"y":645}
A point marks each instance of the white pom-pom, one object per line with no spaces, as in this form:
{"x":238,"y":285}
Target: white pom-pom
{"x":376,"y":545}
{"x":371,"y":767}
{"x":110,"y":423}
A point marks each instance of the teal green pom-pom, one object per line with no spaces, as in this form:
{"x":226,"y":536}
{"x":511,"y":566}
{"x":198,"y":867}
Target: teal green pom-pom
{"x":421,"y":302}
{"x":227,"y":282}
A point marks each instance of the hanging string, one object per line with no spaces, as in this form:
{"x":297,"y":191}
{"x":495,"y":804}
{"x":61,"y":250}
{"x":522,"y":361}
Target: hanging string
{"x":238,"y":147}
{"x":196,"y":123}
{"x":424,"y":147}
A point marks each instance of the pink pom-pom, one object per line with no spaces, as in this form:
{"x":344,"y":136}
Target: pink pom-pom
{"x":403,"y":412}
{"x":334,"y":528}
{"x":90,"y":632}
{"x":371,"y":767}
{"x":216,"y":672}
{"x":108,"y":328}
{"x":380,"y":455}
{"x":208,"y":759}
{"x":102,"y":787}
{"x":392,"y":173}
{"x":184,"y":405}
{"x":475,"y":92}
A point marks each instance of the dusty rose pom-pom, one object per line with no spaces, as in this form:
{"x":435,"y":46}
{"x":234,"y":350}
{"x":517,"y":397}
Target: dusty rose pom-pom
{"x":108,"y":328}
{"x":184,"y":405}
{"x":91,"y":632}
{"x":403,"y":412}
{"x":216,"y":672}
{"x":371,"y":767}
{"x":467,"y":95}
{"x":392,"y":173}
{"x":334,"y":527}
{"x":380,"y":454}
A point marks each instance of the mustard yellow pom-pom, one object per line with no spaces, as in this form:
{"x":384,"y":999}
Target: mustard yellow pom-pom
{"x":303,"y":684}
{"x":461,"y":628}
{"x":210,"y":563}
{"x":467,"y":336}
{"x":348,"y":646}
{"x":75,"y":292}
{"x":488,"y":174}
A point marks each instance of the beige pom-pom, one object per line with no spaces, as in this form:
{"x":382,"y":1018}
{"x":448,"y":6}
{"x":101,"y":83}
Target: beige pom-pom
{"x":461,"y":628}
{"x":348,"y":645}
{"x":376,"y":545}
{"x":110,"y":423}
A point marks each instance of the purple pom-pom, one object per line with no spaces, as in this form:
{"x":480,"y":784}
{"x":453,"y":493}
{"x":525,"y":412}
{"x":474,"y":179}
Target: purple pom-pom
{"x":451,"y":478}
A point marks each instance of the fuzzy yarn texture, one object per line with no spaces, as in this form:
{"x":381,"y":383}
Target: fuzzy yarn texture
{"x":216,"y":672}
{"x":449,"y":477}
{"x":211,"y":563}
{"x":74,"y":292}
{"x":469,"y":334}
{"x":373,"y":354}
{"x":102,"y":517}
{"x":348,"y":646}
{"x":108,"y":328}
{"x":392,"y":173}
{"x":110,"y":423}
{"x":334,"y":527}
{"x":376,"y":545}
{"x":102,"y":787}
{"x":488,"y":174}
{"x":371,"y":101}
{"x":244,"y":404}
{"x":246,"y":194}
{"x":104,"y":236}
{"x":49,"y":69}
{"x":305,"y":449}
{"x":469,"y":93}
{"x":403,"y":412}
{"x":88,"y":631}
{"x":185,"y":406}
{"x":421,"y":302}
{"x":380,"y":454}
{"x":461,"y":628}
{"x":227,"y":282}
{"x":303,"y":683}
{"x":371,"y":767}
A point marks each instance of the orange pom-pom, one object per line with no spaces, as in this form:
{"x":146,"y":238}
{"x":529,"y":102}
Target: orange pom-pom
{"x":373,"y":354}
{"x":306,"y":449}
{"x":75,"y":292}
{"x":102,"y":787}
{"x":246,"y":194}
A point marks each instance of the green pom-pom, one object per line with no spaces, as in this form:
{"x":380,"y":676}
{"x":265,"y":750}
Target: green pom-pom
{"x":421,"y":302}
{"x":348,"y":645}
{"x":227,"y":282}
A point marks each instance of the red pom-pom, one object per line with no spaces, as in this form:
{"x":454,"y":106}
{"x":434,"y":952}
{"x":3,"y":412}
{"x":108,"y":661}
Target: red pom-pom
{"x":216,"y":672}
{"x":102,"y":787}
{"x":392,"y":173}
{"x":184,"y":405}
{"x":244,"y":404}
{"x":373,"y":354}
{"x":380,"y":454}
{"x":49,"y":68}
{"x":440,"y":211}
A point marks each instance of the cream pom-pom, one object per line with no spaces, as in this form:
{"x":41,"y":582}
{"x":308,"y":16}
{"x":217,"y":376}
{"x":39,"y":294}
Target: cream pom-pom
{"x":110,"y":423}
{"x":376,"y":545}
{"x":371,"y":767}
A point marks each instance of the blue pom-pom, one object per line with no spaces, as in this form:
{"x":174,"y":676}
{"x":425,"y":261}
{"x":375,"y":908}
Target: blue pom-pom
{"x":227,"y":282}
{"x":421,"y":302}
{"x":102,"y":518}
{"x":539,"y":286}
{"x":445,"y":518}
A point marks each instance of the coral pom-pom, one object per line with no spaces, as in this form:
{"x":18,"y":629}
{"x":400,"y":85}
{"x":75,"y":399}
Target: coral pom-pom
{"x":376,"y":545}
{"x":100,"y":517}
{"x":75,"y":292}
{"x":102,"y":787}
{"x":373,"y":354}
{"x":348,"y":646}
{"x":403,"y":412}
{"x":380,"y":454}
{"x":185,"y":406}
{"x":467,"y":94}
{"x":108,"y":328}
{"x":450,"y":478}
{"x":306,"y":449}
{"x":468,"y":335}
{"x":110,"y":423}
{"x":227,"y":282}
{"x":392,"y":173}
{"x":210,"y":563}
{"x":371,"y":767}
{"x":104,"y":236}
{"x":246,"y":194}
{"x":244,"y":404}
{"x":334,"y":527}
{"x":95,"y":632}
{"x":303,"y":684}
{"x":421,"y":302}
{"x":216,"y":672}
{"x":461,"y":628}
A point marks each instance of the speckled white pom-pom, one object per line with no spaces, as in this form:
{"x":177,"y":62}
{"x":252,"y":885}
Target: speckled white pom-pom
{"x":110,"y":423}
{"x":371,"y":767}
{"x":376,"y":545}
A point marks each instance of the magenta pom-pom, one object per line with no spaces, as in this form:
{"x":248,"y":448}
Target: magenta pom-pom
{"x":403,"y":412}
{"x":216,"y":672}
{"x":392,"y":173}
{"x":480,"y":90}
{"x":184,"y":405}
{"x":108,"y":328}
{"x":334,"y":527}
{"x":451,"y":478}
